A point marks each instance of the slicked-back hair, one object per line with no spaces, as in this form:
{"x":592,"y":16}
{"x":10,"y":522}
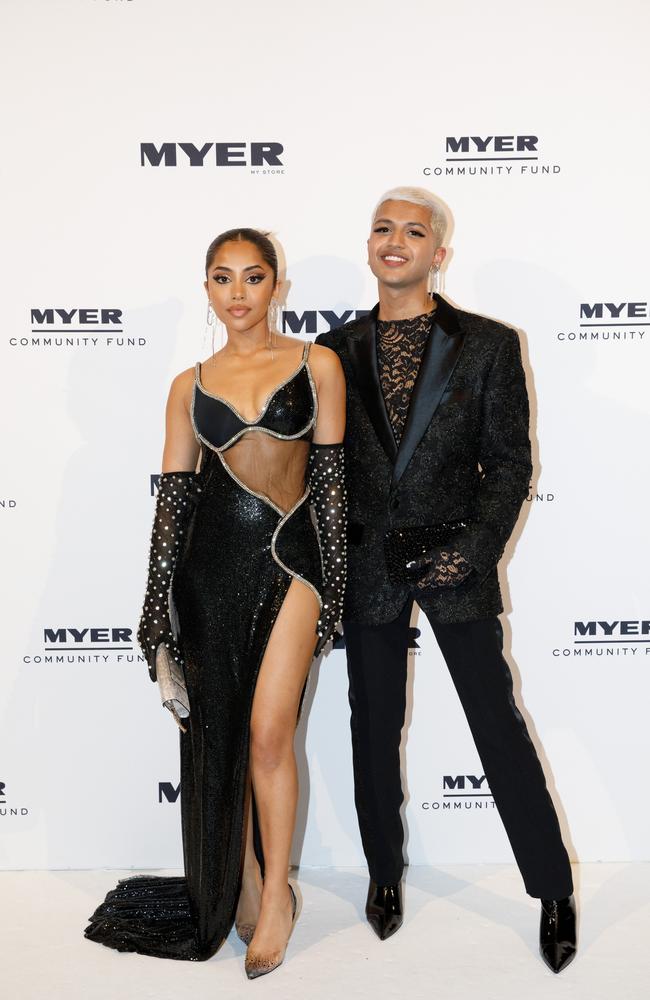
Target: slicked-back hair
{"x":245,"y":235}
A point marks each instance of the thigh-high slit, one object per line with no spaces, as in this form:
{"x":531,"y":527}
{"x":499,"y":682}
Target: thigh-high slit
{"x":240,"y":555}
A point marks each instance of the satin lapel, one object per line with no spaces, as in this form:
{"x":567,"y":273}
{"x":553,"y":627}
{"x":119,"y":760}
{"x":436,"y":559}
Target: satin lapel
{"x":363,"y":356}
{"x":438,"y":362}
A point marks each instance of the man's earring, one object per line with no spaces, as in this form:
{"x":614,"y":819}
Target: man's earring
{"x":434,"y":281}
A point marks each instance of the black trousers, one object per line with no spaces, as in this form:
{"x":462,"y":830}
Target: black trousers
{"x":377,"y":664}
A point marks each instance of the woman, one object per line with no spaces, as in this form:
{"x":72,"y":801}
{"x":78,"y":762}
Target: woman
{"x":257,"y":593}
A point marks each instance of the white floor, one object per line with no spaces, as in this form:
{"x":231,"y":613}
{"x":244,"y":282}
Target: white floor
{"x":469,"y":932}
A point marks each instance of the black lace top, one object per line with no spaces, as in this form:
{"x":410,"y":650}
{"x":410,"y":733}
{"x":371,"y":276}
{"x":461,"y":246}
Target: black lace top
{"x":400,"y":346}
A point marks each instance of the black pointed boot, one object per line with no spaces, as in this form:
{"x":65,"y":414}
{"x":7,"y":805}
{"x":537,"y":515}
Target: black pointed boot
{"x":384,"y":909}
{"x":557,"y":932}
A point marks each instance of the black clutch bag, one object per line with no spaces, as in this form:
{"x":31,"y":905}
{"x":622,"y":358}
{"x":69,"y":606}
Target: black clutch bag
{"x":401,"y":545}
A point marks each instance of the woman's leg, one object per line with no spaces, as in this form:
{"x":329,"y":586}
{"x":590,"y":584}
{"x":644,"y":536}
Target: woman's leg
{"x":250,"y":896}
{"x":280,"y":682}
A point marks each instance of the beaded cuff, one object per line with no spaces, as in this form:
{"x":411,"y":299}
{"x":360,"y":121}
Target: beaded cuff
{"x":326,"y":476}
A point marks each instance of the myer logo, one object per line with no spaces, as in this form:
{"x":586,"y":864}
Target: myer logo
{"x":614,"y":310}
{"x":633,"y":626}
{"x":81,"y":317}
{"x":414,"y":635}
{"x":458,"y":782}
{"x":313,"y":321}
{"x":492,"y":144}
{"x":78,"y":326}
{"x":216,"y":154}
{"x":489,"y":155}
{"x":87,"y":644}
{"x":462,"y":791}
{"x":615,"y":321}
{"x":168,"y":791}
{"x":619,"y":637}
{"x":70,"y":638}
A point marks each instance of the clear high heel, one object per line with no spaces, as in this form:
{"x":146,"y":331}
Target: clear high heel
{"x":245,"y":932}
{"x":244,"y":929}
{"x":259,"y":964}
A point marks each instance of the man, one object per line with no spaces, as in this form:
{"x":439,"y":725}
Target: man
{"x":437,"y":467}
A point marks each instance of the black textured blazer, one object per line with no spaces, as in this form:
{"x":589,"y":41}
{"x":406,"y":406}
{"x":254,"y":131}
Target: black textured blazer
{"x":464,"y":454}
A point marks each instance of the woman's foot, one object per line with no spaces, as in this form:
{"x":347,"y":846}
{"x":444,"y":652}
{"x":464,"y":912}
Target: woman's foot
{"x":249,"y":905}
{"x":277,"y":917}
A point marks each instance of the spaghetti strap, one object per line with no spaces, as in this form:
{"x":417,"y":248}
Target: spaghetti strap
{"x":197,"y":371}
{"x":305,"y":350}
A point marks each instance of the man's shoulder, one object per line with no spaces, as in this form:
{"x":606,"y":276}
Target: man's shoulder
{"x":481,"y":329}
{"x":491,"y":333}
{"x":337,"y":337}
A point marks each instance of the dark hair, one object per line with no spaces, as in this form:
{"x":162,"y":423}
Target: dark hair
{"x":254,"y":236}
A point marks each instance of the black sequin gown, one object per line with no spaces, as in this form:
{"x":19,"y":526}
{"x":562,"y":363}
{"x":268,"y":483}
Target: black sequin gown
{"x":250,"y":534}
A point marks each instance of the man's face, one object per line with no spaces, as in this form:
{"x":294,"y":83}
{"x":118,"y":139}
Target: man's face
{"x":401,"y":246}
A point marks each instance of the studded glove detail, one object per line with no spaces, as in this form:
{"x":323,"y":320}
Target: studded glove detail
{"x":176,"y":492}
{"x":326,"y":476}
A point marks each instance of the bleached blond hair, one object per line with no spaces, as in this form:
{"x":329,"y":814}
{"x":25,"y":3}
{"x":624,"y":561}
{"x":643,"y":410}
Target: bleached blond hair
{"x":420,"y":196}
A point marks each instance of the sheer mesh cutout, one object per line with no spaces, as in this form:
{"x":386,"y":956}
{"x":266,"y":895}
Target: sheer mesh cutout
{"x":271,"y":466}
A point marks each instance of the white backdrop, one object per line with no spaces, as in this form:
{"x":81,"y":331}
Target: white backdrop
{"x":360,"y":97}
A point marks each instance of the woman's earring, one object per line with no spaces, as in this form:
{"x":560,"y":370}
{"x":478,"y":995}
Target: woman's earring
{"x":212,"y":321}
{"x":272,"y":322}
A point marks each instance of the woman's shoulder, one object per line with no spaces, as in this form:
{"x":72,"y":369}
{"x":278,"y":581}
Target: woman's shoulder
{"x":324,"y":359}
{"x":182,"y":384}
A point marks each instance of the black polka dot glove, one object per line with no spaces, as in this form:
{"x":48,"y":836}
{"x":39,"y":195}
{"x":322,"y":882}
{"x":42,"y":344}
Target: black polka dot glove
{"x":176,"y":494}
{"x":326,"y":475}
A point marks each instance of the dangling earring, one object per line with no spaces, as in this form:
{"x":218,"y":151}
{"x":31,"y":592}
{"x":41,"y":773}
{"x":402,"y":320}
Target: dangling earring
{"x":272,"y":322}
{"x":210,"y":319}
{"x":212,"y":322}
{"x":434,"y":281}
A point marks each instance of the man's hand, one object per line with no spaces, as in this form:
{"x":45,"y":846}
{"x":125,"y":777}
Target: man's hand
{"x":439,"y":568}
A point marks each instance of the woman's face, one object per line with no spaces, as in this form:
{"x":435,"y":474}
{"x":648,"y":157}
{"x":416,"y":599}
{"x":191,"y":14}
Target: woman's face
{"x":240,"y":285}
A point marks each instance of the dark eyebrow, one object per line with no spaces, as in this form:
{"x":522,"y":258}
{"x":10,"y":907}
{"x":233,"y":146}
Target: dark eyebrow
{"x":392,"y":223}
{"x":251,"y":267}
